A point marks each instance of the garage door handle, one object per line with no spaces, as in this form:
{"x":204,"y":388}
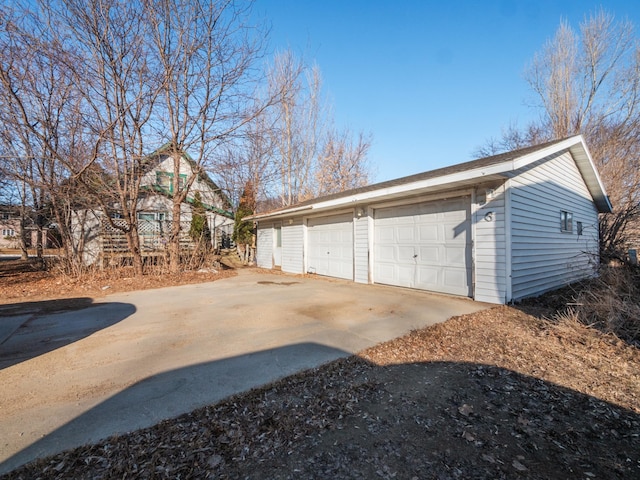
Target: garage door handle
{"x":415,"y":256}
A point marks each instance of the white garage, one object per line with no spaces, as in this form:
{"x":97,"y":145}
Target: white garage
{"x":425,"y":245}
{"x":330,"y":241}
{"x":496,"y":229}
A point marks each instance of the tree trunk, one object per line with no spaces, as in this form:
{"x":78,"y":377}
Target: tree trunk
{"x":173,"y":247}
{"x":24,"y":251}
{"x":134,"y":247}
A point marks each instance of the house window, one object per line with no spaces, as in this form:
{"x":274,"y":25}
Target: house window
{"x":566,"y":221}
{"x":579,"y":228}
{"x":8,"y":232}
{"x":146,"y":216}
{"x":164,"y":180}
{"x":5,"y":216}
{"x":152,"y":216}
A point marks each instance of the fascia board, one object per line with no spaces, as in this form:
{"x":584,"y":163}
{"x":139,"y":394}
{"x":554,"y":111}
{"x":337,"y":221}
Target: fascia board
{"x":487,"y":173}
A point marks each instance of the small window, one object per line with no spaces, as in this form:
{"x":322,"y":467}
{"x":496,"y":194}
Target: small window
{"x":5,"y":216}
{"x":8,"y":232}
{"x":579,"y":228}
{"x":164,"y":181}
{"x":566,"y":222}
{"x":146,"y":216}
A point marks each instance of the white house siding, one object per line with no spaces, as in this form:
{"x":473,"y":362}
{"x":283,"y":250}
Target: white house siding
{"x":85,"y":230}
{"x":264,"y":246}
{"x":490,"y":244}
{"x":361,"y":249}
{"x":543,"y":257}
{"x":293,"y":246}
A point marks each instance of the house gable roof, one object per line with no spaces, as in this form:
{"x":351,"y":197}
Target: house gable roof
{"x":467,"y":173}
{"x":165,"y":151}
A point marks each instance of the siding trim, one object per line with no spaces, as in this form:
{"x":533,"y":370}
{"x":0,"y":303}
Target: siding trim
{"x":508,"y":259}
{"x":474,"y":236}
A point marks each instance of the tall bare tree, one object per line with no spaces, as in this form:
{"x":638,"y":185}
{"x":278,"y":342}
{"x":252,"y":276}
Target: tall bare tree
{"x":588,"y":81}
{"x":343,"y":163}
{"x":39,"y":112}
{"x":312,"y":158}
{"x":119,"y":86}
{"x":206,"y":52}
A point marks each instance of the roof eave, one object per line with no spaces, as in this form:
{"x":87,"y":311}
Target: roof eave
{"x":575,"y":145}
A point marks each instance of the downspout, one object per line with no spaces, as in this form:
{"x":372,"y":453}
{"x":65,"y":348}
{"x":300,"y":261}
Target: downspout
{"x":507,"y":249}
{"x":474,"y":218}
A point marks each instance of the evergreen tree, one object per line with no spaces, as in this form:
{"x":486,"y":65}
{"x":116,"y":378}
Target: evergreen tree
{"x":243,"y":229}
{"x":199,"y":230}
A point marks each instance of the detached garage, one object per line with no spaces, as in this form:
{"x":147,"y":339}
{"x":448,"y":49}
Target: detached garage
{"x":497,"y":229}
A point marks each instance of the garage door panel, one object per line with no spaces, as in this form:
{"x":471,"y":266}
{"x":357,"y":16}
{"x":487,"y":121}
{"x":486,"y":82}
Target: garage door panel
{"x":405,"y":253}
{"x":455,"y":278}
{"x":386,"y":254}
{"x":431,"y":244}
{"x":330,"y":241}
{"x":456,"y":256}
{"x":428,"y":277}
{"x":429,"y":233}
{"x":405,"y":275}
{"x":405,"y":234}
{"x":431,"y":255}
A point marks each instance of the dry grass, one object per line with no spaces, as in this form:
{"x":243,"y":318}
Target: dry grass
{"x":611,"y":303}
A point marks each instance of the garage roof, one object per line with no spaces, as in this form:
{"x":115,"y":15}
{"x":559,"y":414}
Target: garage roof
{"x":468,"y":173}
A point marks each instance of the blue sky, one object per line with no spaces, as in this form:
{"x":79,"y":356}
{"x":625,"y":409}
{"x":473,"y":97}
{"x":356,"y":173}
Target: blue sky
{"x":431,"y":81}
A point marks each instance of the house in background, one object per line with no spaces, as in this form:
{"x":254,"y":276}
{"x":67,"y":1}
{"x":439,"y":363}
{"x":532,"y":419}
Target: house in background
{"x":497,"y":229}
{"x":9,"y":226}
{"x":100,"y":241}
{"x":11,"y":229}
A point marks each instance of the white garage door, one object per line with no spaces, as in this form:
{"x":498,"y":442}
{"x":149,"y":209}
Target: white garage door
{"x":330,"y":241}
{"x":425,"y":246}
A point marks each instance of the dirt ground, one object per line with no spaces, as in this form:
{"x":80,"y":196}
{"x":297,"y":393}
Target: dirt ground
{"x":504,"y":393}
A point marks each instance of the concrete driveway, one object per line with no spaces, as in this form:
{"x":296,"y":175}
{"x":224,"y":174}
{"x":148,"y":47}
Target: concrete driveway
{"x":130,"y":360}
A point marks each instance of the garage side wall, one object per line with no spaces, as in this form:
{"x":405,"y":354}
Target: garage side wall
{"x":361,"y":249}
{"x":264,"y":245}
{"x":489,"y":220}
{"x":545,"y":255}
{"x":293,"y":246}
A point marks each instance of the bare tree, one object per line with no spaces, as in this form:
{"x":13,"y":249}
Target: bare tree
{"x":39,"y":109}
{"x":248,"y":160}
{"x":297,"y":124}
{"x":589,"y":82}
{"x":343,"y":163}
{"x":119,"y":87}
{"x":206,"y":52}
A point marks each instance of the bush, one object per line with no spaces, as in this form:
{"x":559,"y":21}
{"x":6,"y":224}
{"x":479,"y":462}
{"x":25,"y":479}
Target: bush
{"x":611,"y":302}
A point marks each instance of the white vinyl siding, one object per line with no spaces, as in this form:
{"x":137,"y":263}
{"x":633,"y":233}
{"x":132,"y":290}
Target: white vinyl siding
{"x":543,"y":256}
{"x":292,"y":246}
{"x":361,"y":249}
{"x":264,"y":246}
{"x":490,"y":245}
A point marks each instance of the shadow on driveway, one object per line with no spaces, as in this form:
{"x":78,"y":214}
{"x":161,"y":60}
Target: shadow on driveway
{"x":31,"y":329}
{"x":170,"y":394}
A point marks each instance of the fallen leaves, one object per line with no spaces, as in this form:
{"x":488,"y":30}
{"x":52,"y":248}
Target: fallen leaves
{"x":498,"y":394}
